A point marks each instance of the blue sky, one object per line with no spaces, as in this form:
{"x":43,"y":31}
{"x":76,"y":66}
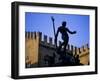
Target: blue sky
{"x":42,"y":22}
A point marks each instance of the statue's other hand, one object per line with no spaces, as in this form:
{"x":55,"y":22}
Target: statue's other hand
{"x":74,"y":32}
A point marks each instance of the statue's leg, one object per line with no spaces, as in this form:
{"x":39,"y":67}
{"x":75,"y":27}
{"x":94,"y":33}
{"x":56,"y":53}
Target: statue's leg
{"x":65,"y":44}
{"x":62,"y":44}
{"x":59,"y":48}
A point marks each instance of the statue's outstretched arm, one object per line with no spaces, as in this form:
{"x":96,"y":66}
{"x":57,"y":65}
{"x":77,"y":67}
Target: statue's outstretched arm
{"x":74,"y":32}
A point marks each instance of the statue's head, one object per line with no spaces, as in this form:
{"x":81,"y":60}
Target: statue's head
{"x":64,"y":23}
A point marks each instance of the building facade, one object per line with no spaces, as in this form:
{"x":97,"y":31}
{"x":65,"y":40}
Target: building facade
{"x":38,"y":47}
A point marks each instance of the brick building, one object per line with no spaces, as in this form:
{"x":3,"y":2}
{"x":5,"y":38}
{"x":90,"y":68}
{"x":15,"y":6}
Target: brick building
{"x":37,"y":47}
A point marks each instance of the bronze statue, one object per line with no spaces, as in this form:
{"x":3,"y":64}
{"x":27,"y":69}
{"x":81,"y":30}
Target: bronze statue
{"x":64,"y":32}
